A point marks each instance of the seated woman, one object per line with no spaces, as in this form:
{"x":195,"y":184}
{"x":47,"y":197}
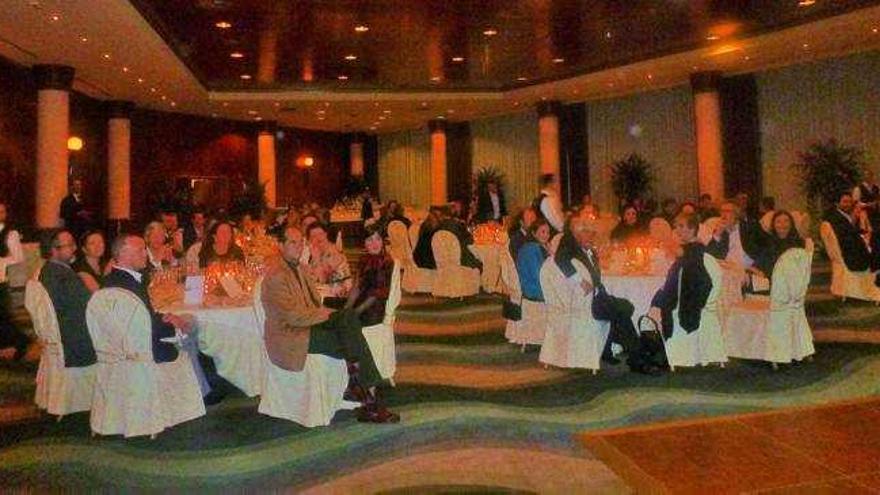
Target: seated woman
{"x":530,"y":258}
{"x":160,"y":254}
{"x":327,"y":266}
{"x":368,"y":297}
{"x":782,"y":237}
{"x":687,"y":283}
{"x":629,"y":227}
{"x":218,"y":246}
{"x":90,"y":265}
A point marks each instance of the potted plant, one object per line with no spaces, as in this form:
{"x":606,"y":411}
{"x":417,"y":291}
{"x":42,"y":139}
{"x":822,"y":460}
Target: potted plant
{"x":826,"y":168}
{"x":631,"y":178}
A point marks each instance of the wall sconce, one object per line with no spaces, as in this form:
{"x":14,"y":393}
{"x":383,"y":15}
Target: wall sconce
{"x":305,"y":161}
{"x":74,"y":143}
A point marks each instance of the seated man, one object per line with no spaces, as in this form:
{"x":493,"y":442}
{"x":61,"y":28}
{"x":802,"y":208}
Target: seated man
{"x":297,"y":325}
{"x":577,"y":259}
{"x":423,"y":254}
{"x":130,"y":259}
{"x":69,"y":296}
{"x":853,"y":248}
{"x":451,"y":223}
{"x":734,"y":239}
{"x":13,"y":342}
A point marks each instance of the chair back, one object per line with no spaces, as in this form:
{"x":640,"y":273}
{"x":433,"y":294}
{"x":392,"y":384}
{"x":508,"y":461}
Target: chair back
{"x":39,"y":306}
{"x":446,"y":248}
{"x":414,"y":234}
{"x":554,"y":243}
{"x":192,"y":254}
{"x":716,"y":275}
{"x":259,"y":310}
{"x":791,"y":277}
{"x":829,"y":239}
{"x":120,"y":326}
{"x":557,"y":290}
{"x":659,"y":230}
{"x":801,"y":222}
{"x":766,"y":221}
{"x":393,"y":295}
{"x":509,"y":275}
{"x":398,"y":237}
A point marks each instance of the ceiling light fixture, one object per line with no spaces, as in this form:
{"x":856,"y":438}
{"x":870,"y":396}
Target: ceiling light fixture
{"x":125,"y":69}
{"x":490,"y":32}
{"x":140,"y":80}
{"x":252,"y":112}
{"x":223,"y":25}
{"x":806,"y":45}
{"x":386,"y":111}
{"x":55,"y":17}
{"x":83,"y":39}
{"x":164,"y":98}
{"x":435,"y":79}
{"x":236,"y":55}
{"x":246,"y":77}
{"x":875,"y":30}
{"x":342,"y":77}
{"x":372,"y":128}
{"x":225,"y":103}
{"x":608,"y":35}
{"x":106,"y":56}
{"x":351,"y":58}
{"x":522,"y":78}
{"x":173,"y":104}
{"x":361,"y":28}
{"x":650,"y":76}
{"x":558,"y":60}
{"x":458,"y":59}
{"x":806,"y":3}
{"x":152,"y":90}
{"x":713,"y":37}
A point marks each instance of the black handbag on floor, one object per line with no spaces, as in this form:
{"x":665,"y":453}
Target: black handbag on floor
{"x":511,"y":311}
{"x":651,"y":349}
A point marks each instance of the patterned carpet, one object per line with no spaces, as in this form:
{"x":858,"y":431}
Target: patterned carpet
{"x":479,"y":416}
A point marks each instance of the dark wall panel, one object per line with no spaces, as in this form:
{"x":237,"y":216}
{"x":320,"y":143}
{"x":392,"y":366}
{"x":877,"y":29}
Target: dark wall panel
{"x":459,"y":157}
{"x":741,"y":129}
{"x":18,"y":135}
{"x":573,"y":153}
{"x":326,"y":180}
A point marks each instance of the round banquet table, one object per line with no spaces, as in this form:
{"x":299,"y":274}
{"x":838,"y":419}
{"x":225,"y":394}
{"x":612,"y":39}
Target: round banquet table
{"x":231,"y":336}
{"x":638,"y":289}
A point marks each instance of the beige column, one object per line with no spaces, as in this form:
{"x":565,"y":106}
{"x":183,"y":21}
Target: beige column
{"x":548,"y":137}
{"x":119,"y":161}
{"x":53,"y":89}
{"x":266,"y":162}
{"x":438,"y":161}
{"x":707,"y":127}
{"x":357,"y":156}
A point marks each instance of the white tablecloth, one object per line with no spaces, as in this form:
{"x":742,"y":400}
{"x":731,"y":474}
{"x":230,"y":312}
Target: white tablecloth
{"x":490,"y":255}
{"x":230,"y":335}
{"x":638,"y":289}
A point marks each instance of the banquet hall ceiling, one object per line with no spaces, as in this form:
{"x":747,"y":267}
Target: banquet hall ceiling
{"x":170,"y":55}
{"x":400,"y":45}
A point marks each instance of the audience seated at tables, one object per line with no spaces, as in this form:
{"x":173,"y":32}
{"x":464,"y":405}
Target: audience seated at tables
{"x":291,"y":218}
{"x":69,"y":296}
{"x":196,"y":228}
{"x":845,"y":221}
{"x":519,"y":230}
{"x":669,"y":210}
{"x":687,"y":285}
{"x":629,"y":227}
{"x":866,"y":195}
{"x":368,"y":297}
{"x":293,"y":310}
{"x":782,"y":237}
{"x":766,"y":208}
{"x":327,"y":266}
{"x":491,"y":205}
{"x":173,"y":232}
{"x":219,"y":246}
{"x":454,"y":224}
{"x":706,"y":208}
{"x":423,"y":253}
{"x":578,"y":261}
{"x":531,"y":257}
{"x":687,"y":208}
{"x":91,"y":265}
{"x":77,"y":218}
{"x":548,"y":205}
{"x":735,"y":239}
{"x":13,"y":341}
{"x":160,"y":254}
{"x":129,"y":263}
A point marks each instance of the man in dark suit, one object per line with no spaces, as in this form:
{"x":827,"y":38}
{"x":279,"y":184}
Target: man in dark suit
{"x":735,"y":239}
{"x":74,"y":213}
{"x":843,"y":221}
{"x":130,"y":258}
{"x":69,"y":296}
{"x":577,"y":259}
{"x":490,"y":203}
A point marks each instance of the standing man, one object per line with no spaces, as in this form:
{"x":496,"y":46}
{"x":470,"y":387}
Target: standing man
{"x":490,"y":203}
{"x":12,"y":340}
{"x":73,"y":211}
{"x":548,"y":204}
{"x":297,"y":325}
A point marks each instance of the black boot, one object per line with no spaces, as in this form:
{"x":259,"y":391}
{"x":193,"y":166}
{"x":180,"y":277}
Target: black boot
{"x":373,"y":411}
{"x":354,"y":392}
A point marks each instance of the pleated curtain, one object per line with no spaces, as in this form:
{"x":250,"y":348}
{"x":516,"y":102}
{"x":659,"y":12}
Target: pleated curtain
{"x":510,"y":144}
{"x":405,"y":168}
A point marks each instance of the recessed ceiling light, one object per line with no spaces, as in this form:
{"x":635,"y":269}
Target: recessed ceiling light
{"x":342,"y":77}
{"x":608,"y":35}
{"x":252,"y":112}
{"x":381,"y":117}
{"x":152,"y":90}
{"x":875,"y":30}
{"x":522,"y":78}
{"x":223,"y":25}
{"x":516,"y":103}
{"x":441,"y":117}
{"x":372,"y":128}
{"x":214,"y":115}
{"x":806,"y":45}
{"x":246,"y":76}
{"x":490,"y":32}
{"x":361,"y":28}
{"x":225,"y":103}
{"x":321,"y":117}
{"x":450,"y":111}
{"x":125,"y":69}
{"x":351,"y":57}
{"x":320,"y":112}
{"x":277,"y":104}
{"x":258,"y":118}
{"x":424,"y":103}
{"x":458,"y":59}
{"x":106,"y":56}
{"x":173,"y":104}
{"x":650,"y":76}
{"x":806,"y":3}
{"x":83,"y":39}
{"x":435,"y":79}
{"x":713,"y":37}
{"x":386,"y":111}
{"x":558,"y":60}
{"x":747,"y":57}
{"x":164,"y":98}
{"x":55,"y":17}
{"x":140,"y":80}
{"x":236,"y":55}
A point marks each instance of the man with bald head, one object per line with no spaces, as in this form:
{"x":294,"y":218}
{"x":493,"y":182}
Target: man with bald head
{"x":297,"y":325}
{"x":576,"y":257}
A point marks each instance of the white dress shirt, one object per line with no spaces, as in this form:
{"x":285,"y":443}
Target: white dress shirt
{"x":496,"y":205}
{"x":16,"y":254}
{"x":551,"y":208}
{"x":136,"y":274}
{"x":735,"y":252}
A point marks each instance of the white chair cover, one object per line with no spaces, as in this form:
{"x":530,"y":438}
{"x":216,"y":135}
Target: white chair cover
{"x":192,"y":254}
{"x":399,"y":244}
{"x":775,"y":329}
{"x":802,"y":223}
{"x":415,"y":278}
{"x":380,"y":337}
{"x":414,"y":233}
{"x":766,"y":221}
{"x":60,"y":390}
{"x":309,"y":397}
{"x":530,"y":329}
{"x":573,"y":338}
{"x":706,"y":344}
{"x":451,"y":278}
{"x":846,"y":283}
{"x":659,"y":230}
{"x":134,"y":395}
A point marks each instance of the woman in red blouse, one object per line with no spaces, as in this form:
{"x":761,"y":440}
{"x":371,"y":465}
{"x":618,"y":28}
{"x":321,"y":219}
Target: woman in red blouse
{"x":374,"y":281}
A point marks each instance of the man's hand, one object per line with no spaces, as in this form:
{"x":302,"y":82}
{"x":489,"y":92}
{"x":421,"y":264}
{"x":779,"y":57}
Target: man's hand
{"x":655,"y":314}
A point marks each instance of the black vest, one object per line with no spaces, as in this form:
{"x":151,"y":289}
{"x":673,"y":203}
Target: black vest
{"x":4,"y":237}
{"x":868,"y":194}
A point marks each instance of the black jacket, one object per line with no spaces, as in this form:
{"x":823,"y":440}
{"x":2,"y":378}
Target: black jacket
{"x":695,"y":288}
{"x":162,"y":352}
{"x":485,"y":212}
{"x":849,"y":237}
{"x":70,"y":297}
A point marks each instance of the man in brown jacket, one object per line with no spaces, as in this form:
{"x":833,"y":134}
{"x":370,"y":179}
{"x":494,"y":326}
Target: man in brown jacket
{"x":297,"y":325}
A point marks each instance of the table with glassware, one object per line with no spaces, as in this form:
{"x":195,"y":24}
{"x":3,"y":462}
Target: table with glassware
{"x":489,"y":241}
